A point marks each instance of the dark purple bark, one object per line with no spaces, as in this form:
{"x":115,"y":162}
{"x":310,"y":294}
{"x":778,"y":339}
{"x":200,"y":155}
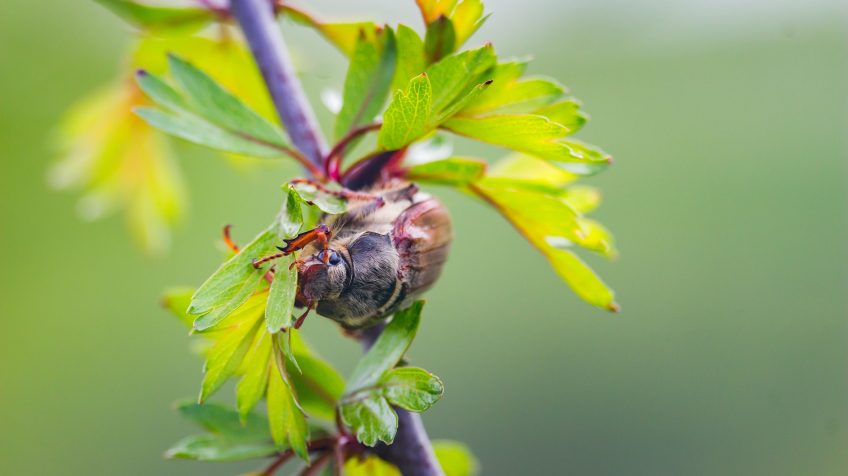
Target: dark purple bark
{"x":411,"y":452}
{"x":258,"y":23}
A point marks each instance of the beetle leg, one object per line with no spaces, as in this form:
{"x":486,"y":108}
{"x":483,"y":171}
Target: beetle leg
{"x":228,"y":240}
{"x":259,"y":262}
{"x":344,"y":193}
{"x":406,"y":193}
{"x":320,"y":233}
{"x":299,"y":321}
{"x":297,"y":263}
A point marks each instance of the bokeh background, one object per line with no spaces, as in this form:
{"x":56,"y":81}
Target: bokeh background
{"x":729,"y":123}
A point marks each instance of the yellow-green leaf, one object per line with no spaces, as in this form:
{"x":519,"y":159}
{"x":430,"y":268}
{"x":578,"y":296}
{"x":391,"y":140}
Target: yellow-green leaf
{"x":225,"y":357}
{"x":450,"y":171}
{"x":410,"y":57}
{"x":278,"y":312}
{"x":256,"y":367}
{"x":286,"y":419}
{"x":455,"y":458}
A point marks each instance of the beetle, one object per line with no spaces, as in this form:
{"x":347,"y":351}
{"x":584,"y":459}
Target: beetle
{"x":376,"y":258}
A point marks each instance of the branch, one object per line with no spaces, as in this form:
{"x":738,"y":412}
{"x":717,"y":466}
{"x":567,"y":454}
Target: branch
{"x":411,"y":451}
{"x":256,"y":18}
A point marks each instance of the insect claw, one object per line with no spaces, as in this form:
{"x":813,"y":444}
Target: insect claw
{"x":299,"y":321}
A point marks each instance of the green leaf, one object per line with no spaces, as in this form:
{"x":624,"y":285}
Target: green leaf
{"x":410,"y":57}
{"x":176,"y":300}
{"x":318,"y":385}
{"x":371,"y":420}
{"x":411,"y":388}
{"x":534,"y":135}
{"x":159,"y":18}
{"x":194,"y":129}
{"x":522,"y":96}
{"x":440,"y":39}
{"x":582,"y":198}
{"x":278,"y":312}
{"x":160,"y":92}
{"x":455,"y":76}
{"x":211,"y":447}
{"x":312,"y":195}
{"x":531,"y":171}
{"x":389,"y":348}
{"x":211,"y":101}
{"x":406,"y":118}
{"x":286,"y":419}
{"x":256,"y":367}
{"x":450,"y":171}
{"x":231,"y":284}
{"x":231,"y":438}
{"x":455,"y":458}
{"x":369,"y":76}
{"x":290,"y":218}
{"x":226,"y":355}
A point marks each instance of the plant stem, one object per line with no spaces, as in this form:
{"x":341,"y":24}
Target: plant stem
{"x":411,"y":452}
{"x":256,"y":18}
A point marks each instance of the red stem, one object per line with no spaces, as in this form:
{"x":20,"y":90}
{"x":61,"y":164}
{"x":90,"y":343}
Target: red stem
{"x":333,"y":162}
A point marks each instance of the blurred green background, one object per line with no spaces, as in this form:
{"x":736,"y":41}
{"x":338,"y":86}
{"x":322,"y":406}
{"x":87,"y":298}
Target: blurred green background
{"x":729,"y":124}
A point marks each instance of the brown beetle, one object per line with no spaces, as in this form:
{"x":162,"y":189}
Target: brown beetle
{"x":376,"y":258}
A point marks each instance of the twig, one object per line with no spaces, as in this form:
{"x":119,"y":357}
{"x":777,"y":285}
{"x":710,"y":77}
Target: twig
{"x":256,"y":18}
{"x":333,"y":162}
{"x":411,"y":451}
{"x":277,"y":463}
{"x":317,"y":465}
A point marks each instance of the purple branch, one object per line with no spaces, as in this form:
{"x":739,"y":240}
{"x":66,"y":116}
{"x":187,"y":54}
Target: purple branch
{"x":257,"y":21}
{"x":411,"y":451}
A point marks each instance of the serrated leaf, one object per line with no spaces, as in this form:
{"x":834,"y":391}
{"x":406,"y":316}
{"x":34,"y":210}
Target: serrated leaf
{"x":371,"y":420}
{"x":286,"y":419}
{"x":406,"y":118}
{"x":326,"y":202}
{"x":455,"y":76}
{"x":201,"y":132}
{"x":545,"y":220}
{"x":159,"y":18}
{"x":256,"y":367}
{"x":450,"y":171}
{"x":388,"y":349}
{"x":369,"y":76}
{"x":176,"y":300}
{"x":439,"y":39}
{"x":534,"y":135}
{"x":411,"y":388}
{"x":455,"y":458}
{"x":214,"y":103}
{"x":278,"y":312}
{"x":225,"y":356}
{"x":410,"y":57}
{"x":527,"y":95}
{"x":232,"y":283}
